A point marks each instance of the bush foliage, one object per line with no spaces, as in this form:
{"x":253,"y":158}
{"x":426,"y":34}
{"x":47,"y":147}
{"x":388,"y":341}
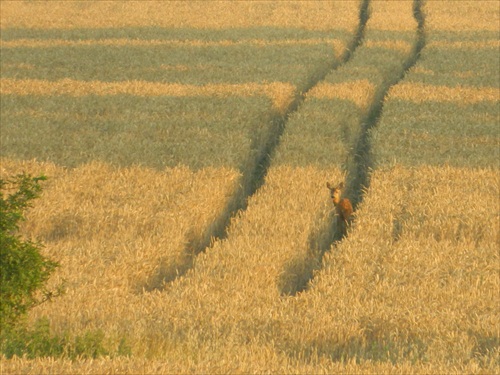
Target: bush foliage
{"x":24,"y":270}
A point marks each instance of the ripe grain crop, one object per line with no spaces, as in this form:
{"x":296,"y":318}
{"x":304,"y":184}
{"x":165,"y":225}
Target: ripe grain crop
{"x":37,"y":43}
{"x":219,"y":85}
{"x":462,"y":95}
{"x":417,"y":278}
{"x":99,"y":108}
{"x":446,"y":114}
{"x":98,"y":219}
{"x":280,"y":94}
{"x":414,"y":286}
{"x":421,"y":263}
{"x":218,"y":15}
{"x":350,"y":92}
{"x":124,"y":270}
{"x":232,"y":294}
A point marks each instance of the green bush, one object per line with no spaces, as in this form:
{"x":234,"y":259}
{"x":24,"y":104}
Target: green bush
{"x":23,"y":269}
{"x":23,"y":274}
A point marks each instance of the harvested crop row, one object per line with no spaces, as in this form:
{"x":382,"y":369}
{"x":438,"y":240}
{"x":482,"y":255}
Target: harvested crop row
{"x":417,"y":279}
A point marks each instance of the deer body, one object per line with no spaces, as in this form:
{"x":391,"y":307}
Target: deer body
{"x":343,"y":206}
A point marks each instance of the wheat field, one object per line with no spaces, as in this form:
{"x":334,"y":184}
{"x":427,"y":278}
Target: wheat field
{"x":188,"y":145}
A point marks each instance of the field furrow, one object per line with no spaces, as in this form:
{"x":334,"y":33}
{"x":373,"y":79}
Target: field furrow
{"x":254,"y":174}
{"x":232,"y":296}
{"x":97,"y":219}
{"x":188,"y":145}
{"x":356,"y":95}
{"x":105,"y":139}
{"x":224,"y":107}
{"x":417,"y":279}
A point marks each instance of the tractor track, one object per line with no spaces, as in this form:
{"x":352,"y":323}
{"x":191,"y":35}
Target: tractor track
{"x":358,"y":178}
{"x":253,"y":177}
{"x":363,"y":159}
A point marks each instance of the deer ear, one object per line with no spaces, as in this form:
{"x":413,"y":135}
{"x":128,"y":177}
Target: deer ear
{"x":329,"y":186}
{"x":341,"y":185}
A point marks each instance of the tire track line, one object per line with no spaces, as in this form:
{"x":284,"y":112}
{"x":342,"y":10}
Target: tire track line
{"x":253,"y":177}
{"x":358,"y":178}
{"x":363,"y":155}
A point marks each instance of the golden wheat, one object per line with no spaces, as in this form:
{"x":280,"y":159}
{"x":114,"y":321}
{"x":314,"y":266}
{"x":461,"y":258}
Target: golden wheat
{"x":97,"y":219}
{"x":418,"y":275}
{"x":37,"y":43}
{"x":464,"y":16}
{"x":359,"y":92}
{"x":412,"y":289}
{"x":281,"y":94}
{"x":179,"y":14}
{"x":420,"y":92}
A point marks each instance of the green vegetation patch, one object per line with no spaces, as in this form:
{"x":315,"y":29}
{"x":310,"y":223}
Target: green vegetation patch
{"x":162,"y":55}
{"x":447,"y":110}
{"x":325,"y":130}
{"x":435,"y":133}
{"x":124,"y":130}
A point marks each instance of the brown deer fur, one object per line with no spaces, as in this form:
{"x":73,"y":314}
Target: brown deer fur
{"x":343,"y":206}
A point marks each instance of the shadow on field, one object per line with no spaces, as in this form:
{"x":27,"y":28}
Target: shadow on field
{"x":255,"y":170}
{"x":375,"y":342}
{"x":363,"y":159}
{"x":300,"y":271}
{"x":159,"y":131}
{"x":125,"y":130}
{"x":156,"y":54}
{"x":298,"y":274}
{"x":149,"y":127}
{"x":379,"y":340}
{"x":485,"y":346}
{"x":168,"y":271}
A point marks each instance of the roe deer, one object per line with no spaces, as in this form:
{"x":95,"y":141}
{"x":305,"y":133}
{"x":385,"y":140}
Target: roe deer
{"x":343,"y":206}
